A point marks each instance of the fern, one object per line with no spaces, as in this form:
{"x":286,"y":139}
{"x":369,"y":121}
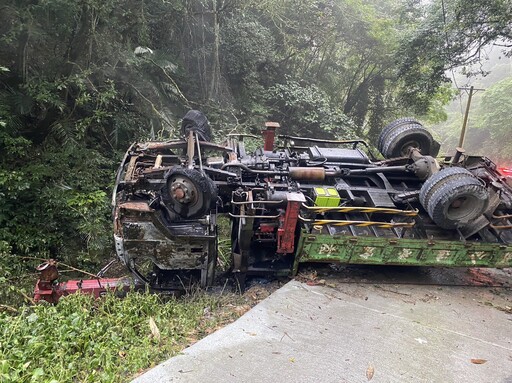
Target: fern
{"x":62,"y":132}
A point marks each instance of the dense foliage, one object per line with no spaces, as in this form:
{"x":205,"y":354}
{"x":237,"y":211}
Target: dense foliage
{"x":107,"y":340}
{"x":488,"y":131}
{"x":450,"y":34}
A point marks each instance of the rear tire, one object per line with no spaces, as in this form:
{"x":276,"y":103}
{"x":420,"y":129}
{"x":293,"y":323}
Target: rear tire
{"x":437,"y":179}
{"x":400,"y":138}
{"x":457,"y":202}
{"x":197,"y":122}
{"x":392,"y":125}
{"x":188,"y":192}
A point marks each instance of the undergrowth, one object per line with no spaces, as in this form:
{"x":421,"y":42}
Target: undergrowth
{"x":107,"y":340}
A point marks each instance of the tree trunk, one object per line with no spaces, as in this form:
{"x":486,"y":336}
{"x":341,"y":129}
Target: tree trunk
{"x":214,"y":86}
{"x":377,"y":109}
{"x":22,"y":53}
{"x":81,"y":40}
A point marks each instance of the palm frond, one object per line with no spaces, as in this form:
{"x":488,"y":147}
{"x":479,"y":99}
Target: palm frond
{"x":62,"y":132}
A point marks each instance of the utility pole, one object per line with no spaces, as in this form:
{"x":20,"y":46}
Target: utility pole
{"x":472,"y":90}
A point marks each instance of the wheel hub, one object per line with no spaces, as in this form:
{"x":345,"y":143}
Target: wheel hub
{"x":182,"y":191}
{"x":458,"y":203}
{"x":408,"y":146}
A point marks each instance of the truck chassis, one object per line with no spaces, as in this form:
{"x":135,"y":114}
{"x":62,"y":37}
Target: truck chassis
{"x":306,"y":200}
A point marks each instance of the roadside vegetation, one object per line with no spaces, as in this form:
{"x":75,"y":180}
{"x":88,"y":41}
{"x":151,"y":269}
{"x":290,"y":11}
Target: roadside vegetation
{"x":106,"y":340}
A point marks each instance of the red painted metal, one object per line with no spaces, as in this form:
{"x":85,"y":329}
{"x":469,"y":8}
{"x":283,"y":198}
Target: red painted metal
{"x":94,"y":287}
{"x":506,"y":171}
{"x":286,"y":231}
{"x":48,"y":289}
{"x":267,"y":227}
{"x":269,"y":135}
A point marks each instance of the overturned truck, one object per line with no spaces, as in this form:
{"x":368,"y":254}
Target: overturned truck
{"x":306,"y":200}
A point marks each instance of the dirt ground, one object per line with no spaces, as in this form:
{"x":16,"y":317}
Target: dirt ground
{"x":494,"y":284}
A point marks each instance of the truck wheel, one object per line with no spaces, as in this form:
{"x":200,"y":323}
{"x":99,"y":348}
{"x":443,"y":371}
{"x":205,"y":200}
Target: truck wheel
{"x":399,"y":139}
{"x":389,"y":127}
{"x":437,"y":180}
{"x":197,"y":122}
{"x":457,"y":202}
{"x":188,"y":192}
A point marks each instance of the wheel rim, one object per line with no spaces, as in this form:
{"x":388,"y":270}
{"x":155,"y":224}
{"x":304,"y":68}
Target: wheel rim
{"x":188,"y":192}
{"x":183,"y":191}
{"x":463,"y":208}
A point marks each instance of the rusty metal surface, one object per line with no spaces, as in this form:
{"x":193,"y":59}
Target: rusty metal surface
{"x":182,"y":248}
{"x":307,"y":174}
{"x":136,"y":206}
{"x":95,"y":287}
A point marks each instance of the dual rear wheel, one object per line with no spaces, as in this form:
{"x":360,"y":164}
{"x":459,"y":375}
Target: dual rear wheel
{"x":454,"y":197}
{"x":399,"y":136}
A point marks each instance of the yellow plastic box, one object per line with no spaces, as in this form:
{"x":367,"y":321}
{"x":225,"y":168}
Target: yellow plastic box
{"x":326,"y":197}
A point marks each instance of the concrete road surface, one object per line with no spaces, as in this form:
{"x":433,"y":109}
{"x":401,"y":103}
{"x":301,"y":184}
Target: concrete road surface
{"x":372,"y":326}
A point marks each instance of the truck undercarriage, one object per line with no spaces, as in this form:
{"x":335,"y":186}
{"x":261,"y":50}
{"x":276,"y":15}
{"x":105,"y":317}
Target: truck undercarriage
{"x":306,"y":200}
